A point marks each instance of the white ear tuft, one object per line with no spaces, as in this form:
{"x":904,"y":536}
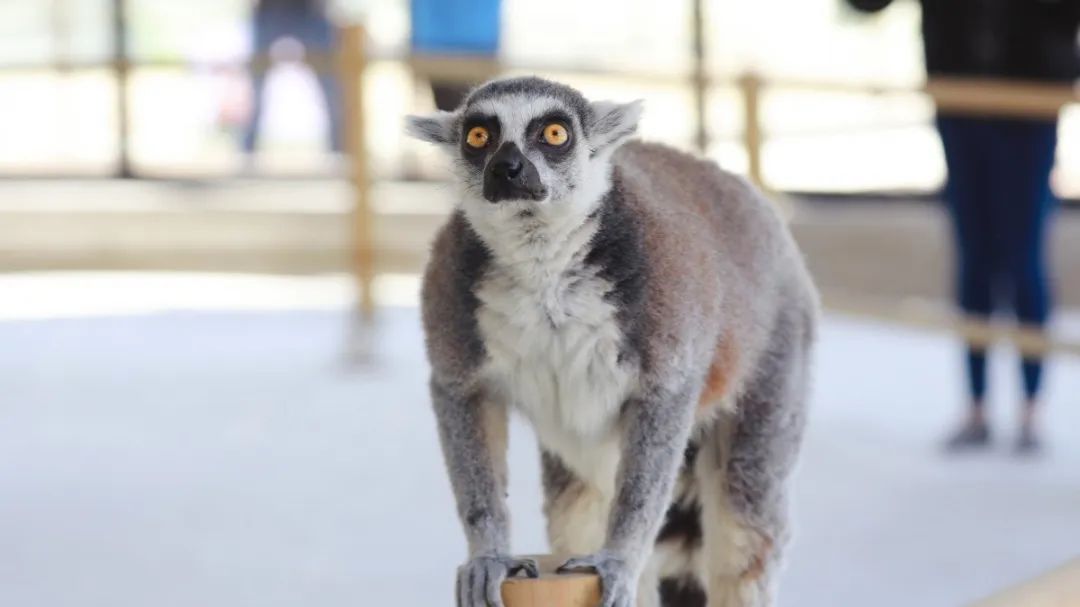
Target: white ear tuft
{"x":437,"y":128}
{"x":612,"y":123}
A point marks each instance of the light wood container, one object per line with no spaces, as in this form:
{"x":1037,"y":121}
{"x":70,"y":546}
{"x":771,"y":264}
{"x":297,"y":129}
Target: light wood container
{"x":1057,"y":588}
{"x":552,"y":589}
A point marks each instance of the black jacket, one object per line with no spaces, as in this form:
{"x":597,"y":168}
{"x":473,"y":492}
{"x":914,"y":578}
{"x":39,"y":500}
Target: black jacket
{"x":1019,"y":39}
{"x":291,"y":7}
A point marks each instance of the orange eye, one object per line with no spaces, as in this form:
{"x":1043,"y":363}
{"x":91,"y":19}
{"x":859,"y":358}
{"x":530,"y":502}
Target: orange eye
{"x":555,"y":134}
{"x":477,"y":137}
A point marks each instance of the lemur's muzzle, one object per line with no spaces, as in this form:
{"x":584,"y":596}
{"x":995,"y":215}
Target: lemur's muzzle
{"x":509,"y":175}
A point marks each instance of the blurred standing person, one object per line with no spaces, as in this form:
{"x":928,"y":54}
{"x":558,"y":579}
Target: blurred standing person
{"x":454,"y":45}
{"x":998,"y":190}
{"x":455,"y":30}
{"x":307,"y":22}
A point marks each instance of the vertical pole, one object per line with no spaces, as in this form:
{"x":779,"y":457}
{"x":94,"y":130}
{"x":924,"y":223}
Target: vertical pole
{"x":351,"y":63}
{"x":61,"y":51}
{"x":61,"y":34}
{"x":121,"y":69}
{"x":700,"y":79}
{"x":750,"y":85}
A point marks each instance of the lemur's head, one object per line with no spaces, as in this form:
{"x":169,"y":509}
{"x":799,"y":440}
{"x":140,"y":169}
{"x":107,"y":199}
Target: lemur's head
{"x":529,"y":140}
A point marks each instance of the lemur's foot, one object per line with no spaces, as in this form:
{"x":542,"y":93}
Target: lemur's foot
{"x":479,"y":581}
{"x":616,"y":577}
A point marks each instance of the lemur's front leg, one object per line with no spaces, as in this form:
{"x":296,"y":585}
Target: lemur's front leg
{"x":657,"y":426}
{"x":473,"y":437}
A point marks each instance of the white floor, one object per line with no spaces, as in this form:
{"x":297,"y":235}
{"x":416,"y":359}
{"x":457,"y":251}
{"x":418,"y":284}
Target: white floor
{"x":227,"y":459}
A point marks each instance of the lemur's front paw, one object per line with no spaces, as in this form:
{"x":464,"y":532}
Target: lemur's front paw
{"x":479,"y":581}
{"x":617,"y":577}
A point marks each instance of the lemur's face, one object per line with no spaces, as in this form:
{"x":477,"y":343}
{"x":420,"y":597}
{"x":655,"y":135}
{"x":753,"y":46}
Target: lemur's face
{"x":516,"y":148}
{"x":527,"y":139}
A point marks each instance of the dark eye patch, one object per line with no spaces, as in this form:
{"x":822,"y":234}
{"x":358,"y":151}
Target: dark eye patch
{"x":476,"y":156}
{"x":534,"y":135}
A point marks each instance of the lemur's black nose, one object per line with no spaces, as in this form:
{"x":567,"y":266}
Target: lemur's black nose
{"x":510,"y":175}
{"x":507,"y":168}
{"x":508,"y":162}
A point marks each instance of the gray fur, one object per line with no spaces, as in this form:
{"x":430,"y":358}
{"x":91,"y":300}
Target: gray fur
{"x":649,"y":302}
{"x":448,"y":300}
{"x":611,"y":123}
{"x":438,"y":128}
{"x":531,"y":86}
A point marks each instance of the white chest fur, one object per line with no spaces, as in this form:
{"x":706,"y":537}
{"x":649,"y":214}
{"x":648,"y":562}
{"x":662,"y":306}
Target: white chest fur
{"x":553,"y":345}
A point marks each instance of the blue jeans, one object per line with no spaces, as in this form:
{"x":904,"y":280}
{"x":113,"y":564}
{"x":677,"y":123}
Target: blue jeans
{"x":999,"y":200}
{"x":316,"y":33}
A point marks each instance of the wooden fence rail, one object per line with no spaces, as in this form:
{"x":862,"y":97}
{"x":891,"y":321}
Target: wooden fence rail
{"x":352,"y":58}
{"x":970,"y":96}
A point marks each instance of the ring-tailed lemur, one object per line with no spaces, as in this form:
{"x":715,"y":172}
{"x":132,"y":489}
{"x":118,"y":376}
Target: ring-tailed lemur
{"x":649,"y":314}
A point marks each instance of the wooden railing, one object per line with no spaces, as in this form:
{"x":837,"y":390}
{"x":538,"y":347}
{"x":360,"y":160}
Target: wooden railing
{"x":966,"y":96}
{"x":962,"y":96}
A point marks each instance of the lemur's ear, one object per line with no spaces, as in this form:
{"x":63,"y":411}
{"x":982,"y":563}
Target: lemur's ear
{"x":437,"y":128}
{"x":613,"y":122}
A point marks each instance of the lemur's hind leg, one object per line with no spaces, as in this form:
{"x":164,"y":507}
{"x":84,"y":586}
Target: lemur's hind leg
{"x":676,"y":558}
{"x":577,"y":515}
{"x":742,"y":473}
{"x":576,"y":512}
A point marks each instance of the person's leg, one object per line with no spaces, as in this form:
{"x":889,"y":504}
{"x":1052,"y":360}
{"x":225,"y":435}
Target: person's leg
{"x":1029,"y":147}
{"x":265,"y":30}
{"x":448,"y":94}
{"x":965,"y":197}
{"x":318,"y":37}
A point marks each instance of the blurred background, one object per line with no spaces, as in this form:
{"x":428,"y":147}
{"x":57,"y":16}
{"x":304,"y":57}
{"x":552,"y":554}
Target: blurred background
{"x":212,"y":382}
